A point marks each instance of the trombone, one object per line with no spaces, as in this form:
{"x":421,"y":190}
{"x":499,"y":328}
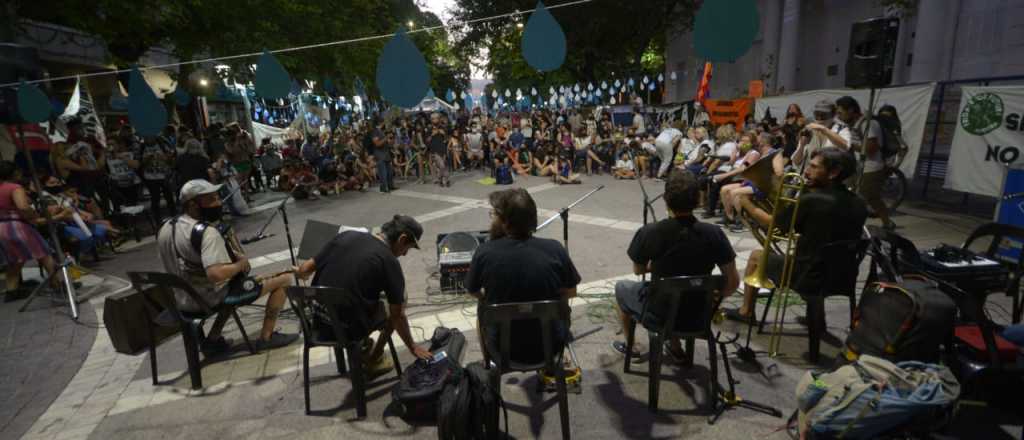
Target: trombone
{"x":787,"y":193}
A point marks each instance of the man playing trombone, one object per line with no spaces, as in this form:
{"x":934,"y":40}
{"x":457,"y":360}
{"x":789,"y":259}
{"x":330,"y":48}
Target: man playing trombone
{"x":827,"y":211}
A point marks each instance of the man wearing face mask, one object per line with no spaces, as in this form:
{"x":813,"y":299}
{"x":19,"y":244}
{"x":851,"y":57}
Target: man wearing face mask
{"x":820,"y":133}
{"x":192,"y":247}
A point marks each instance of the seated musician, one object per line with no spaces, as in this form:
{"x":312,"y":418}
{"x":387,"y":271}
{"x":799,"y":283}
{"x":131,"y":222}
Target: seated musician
{"x":515,"y":266}
{"x":193,"y":247}
{"x":676,"y":246}
{"x":367,"y":264}
{"x":828,"y":212}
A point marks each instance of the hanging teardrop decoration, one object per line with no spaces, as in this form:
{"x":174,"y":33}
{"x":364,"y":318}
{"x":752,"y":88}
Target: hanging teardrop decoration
{"x":402,"y":74}
{"x":146,"y":113}
{"x":272,"y":80}
{"x":32,"y":104}
{"x":543,"y":42}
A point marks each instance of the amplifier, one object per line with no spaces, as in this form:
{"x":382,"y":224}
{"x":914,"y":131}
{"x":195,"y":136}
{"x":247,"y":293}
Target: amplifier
{"x":972,"y":273}
{"x":454,"y":254}
{"x":126,"y":317}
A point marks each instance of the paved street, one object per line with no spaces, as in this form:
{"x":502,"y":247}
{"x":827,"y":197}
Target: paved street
{"x":62,"y":379}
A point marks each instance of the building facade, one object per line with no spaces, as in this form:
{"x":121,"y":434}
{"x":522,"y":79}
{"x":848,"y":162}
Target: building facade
{"x":803,"y":45}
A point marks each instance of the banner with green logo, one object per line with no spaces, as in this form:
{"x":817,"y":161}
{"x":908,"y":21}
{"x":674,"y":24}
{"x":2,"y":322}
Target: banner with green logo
{"x":989,"y":135}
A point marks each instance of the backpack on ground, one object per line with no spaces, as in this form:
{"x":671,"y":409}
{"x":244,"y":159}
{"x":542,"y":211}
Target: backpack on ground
{"x":908,"y":321}
{"x":469,"y":409}
{"x":420,"y":387}
{"x":872,"y":397}
{"x":503,"y":175}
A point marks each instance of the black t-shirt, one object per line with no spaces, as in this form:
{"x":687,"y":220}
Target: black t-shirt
{"x":436,"y":144}
{"x":681,"y":247}
{"x":825,"y":215}
{"x":511,"y":270}
{"x":361,"y":263}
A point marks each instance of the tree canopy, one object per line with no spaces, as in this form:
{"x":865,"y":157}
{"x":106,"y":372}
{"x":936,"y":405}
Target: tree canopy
{"x":194,"y":29}
{"x":605,"y":39}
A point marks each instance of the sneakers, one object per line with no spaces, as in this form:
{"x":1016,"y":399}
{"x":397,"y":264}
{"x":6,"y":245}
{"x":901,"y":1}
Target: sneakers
{"x":639,"y":355}
{"x":276,"y":340}
{"x":737,"y":227}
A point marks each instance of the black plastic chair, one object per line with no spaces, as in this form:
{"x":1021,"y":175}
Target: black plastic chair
{"x":839,"y":262}
{"x":351,"y":326}
{"x":548,"y":313}
{"x":686,"y":305}
{"x":165,"y":312}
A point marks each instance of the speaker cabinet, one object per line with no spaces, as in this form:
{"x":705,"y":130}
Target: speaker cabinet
{"x":872,"y":52}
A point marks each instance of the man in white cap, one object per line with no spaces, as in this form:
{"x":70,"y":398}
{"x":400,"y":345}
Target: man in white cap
{"x":192,"y":247}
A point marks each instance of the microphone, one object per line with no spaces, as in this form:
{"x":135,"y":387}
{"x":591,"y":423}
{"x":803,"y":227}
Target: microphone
{"x":255,"y":238}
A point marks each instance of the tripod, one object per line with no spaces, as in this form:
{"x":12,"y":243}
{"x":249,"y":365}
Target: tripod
{"x":62,"y":262}
{"x":727,"y":398}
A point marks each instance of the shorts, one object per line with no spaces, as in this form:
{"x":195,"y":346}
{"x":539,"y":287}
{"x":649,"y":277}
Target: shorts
{"x":376,"y":313}
{"x":758,"y":195}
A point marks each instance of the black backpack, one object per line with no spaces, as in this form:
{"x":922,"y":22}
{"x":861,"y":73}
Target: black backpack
{"x":908,"y":321}
{"x":891,"y":142}
{"x":469,"y":408}
{"x":419,"y":389}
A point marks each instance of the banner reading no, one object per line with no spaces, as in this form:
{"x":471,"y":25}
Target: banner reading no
{"x":989,"y":135}
{"x":723,"y":111}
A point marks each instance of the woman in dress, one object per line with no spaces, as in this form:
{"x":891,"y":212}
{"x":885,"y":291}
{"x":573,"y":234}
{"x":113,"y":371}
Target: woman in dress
{"x":19,"y":240}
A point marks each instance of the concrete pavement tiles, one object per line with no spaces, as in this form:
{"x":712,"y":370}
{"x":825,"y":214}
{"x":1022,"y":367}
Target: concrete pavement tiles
{"x":111,"y":396}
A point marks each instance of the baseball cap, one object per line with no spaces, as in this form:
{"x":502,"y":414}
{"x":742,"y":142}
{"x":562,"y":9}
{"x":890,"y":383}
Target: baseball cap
{"x":195,"y":188}
{"x":409,"y":226}
{"x":825,"y":106}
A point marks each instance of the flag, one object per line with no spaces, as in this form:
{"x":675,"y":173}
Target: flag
{"x":705,"y":83}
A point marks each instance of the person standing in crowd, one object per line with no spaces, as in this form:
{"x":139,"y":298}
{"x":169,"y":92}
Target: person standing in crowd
{"x":437,"y":147}
{"x":156,"y":169}
{"x":864,"y":140}
{"x":84,"y":159}
{"x":212,"y":263}
{"x":516,"y":266}
{"x":639,"y":125}
{"x":192,"y":164}
{"x":679,"y":245}
{"x":376,"y":145}
{"x":474,"y":141}
{"x":828,"y":212}
{"x":123,"y":164}
{"x":813,"y":138}
{"x":367,"y":265}
{"x":19,"y":240}
{"x":240,"y":149}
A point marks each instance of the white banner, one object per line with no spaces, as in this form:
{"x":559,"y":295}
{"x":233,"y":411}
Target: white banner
{"x":911,"y":102}
{"x":989,"y":133}
{"x":277,"y":135}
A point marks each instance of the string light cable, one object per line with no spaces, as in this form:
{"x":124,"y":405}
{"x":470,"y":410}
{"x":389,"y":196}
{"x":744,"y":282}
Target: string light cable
{"x":517,"y":13}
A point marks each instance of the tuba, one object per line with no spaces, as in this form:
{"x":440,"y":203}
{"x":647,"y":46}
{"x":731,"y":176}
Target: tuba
{"x":786,"y":193}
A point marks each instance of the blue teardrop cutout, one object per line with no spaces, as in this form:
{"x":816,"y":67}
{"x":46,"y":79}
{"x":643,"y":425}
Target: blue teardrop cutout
{"x":724,"y":30}
{"x":272,"y":81}
{"x":33,"y":106}
{"x":402,"y":75}
{"x":146,"y":113}
{"x":543,"y":42}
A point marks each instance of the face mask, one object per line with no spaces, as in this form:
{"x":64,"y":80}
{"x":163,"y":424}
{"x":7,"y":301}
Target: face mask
{"x":746,"y":146}
{"x":211,"y":214}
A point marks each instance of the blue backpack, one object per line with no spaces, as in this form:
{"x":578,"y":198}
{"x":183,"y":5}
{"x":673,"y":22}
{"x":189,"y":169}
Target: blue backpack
{"x":873,"y":397}
{"x":503,"y":175}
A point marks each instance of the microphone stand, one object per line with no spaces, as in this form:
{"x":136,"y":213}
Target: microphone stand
{"x":564,"y":214}
{"x":648,"y":204}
